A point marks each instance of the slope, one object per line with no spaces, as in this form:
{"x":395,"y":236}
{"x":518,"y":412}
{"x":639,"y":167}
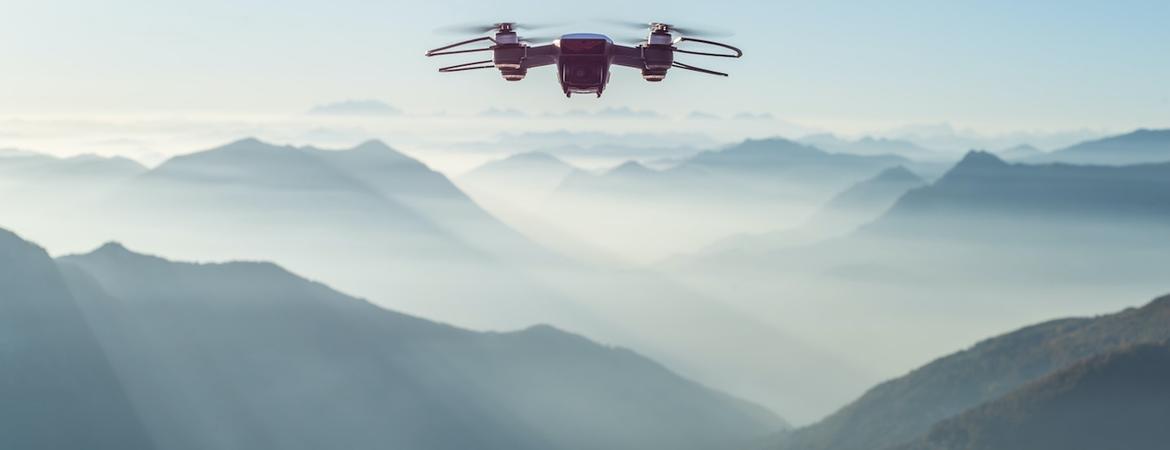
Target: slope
{"x":901,"y":409}
{"x":57,"y":389}
{"x":268,"y":360}
{"x":1119,"y":399}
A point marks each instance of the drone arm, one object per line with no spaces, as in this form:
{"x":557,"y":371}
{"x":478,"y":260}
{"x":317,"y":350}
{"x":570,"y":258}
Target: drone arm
{"x":541,"y":55}
{"x":628,"y":56}
{"x":446,"y":50}
{"x":697,"y":69}
{"x":469,"y":66}
{"x":736,"y":52}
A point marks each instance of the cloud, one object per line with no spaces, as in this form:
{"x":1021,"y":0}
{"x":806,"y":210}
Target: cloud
{"x":355,"y":108}
{"x":506,"y":112}
{"x":701,"y":115}
{"x":754,"y":116}
{"x":621,"y":112}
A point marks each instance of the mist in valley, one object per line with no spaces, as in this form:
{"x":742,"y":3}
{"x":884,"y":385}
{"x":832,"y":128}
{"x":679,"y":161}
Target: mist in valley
{"x":765,"y":268}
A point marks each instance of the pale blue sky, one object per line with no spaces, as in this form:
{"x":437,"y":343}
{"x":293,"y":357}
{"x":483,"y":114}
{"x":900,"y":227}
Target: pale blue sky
{"x":992,"y":65}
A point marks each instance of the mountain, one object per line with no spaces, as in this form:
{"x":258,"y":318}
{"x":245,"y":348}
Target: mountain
{"x":248,"y":355}
{"x":369,"y":187}
{"x":1020,"y":152}
{"x":627,"y":177}
{"x":58,"y":390}
{"x":17,"y":165}
{"x":403,"y":179}
{"x":853,"y":207}
{"x":751,"y":187}
{"x":869,"y":145}
{"x":765,"y":155}
{"x":1140,"y":146}
{"x":524,"y":177}
{"x":346,"y":217}
{"x":267,"y":188}
{"x":866,"y":200}
{"x":899,"y":410}
{"x":754,"y":168}
{"x":999,"y":196}
{"x":1119,"y":399}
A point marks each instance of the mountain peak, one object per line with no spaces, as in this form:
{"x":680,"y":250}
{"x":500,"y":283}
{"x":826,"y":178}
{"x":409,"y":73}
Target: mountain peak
{"x":897,"y":173}
{"x":630,"y":168}
{"x":373,"y":145}
{"x":980,"y":159}
{"x":114,"y":250}
{"x":246,"y":142}
{"x":1160,"y":303}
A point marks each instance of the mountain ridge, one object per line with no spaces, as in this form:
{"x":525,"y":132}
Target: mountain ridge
{"x":538,"y":387}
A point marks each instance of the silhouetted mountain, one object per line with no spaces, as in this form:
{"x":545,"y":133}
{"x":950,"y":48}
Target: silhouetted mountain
{"x":247,"y":355}
{"x":407,"y":181}
{"x":1141,"y":146}
{"x":37,"y":181}
{"x":767,"y":155}
{"x":873,"y":196}
{"x":861,"y":203}
{"x":901,"y":409}
{"x":629,"y":177}
{"x":983,"y":189}
{"x":869,"y":145}
{"x":1119,"y":399}
{"x":752,"y":187}
{"x":369,"y":186}
{"x":535,"y":174}
{"x":16,"y":165}
{"x":1020,"y":153}
{"x":57,"y":388}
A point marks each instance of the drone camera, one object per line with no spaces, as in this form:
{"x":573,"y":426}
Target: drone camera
{"x":653,"y":75}
{"x":516,"y":74}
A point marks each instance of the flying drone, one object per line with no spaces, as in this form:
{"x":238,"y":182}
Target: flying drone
{"x":582,"y":59}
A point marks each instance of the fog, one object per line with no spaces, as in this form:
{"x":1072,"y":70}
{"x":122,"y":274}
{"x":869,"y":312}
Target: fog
{"x":774,"y":271}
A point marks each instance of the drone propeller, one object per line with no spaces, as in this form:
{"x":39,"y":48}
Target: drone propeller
{"x":500,"y":26}
{"x":687,"y":31}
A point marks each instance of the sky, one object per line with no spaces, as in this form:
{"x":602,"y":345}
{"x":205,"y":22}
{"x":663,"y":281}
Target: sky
{"x":850,"y":67}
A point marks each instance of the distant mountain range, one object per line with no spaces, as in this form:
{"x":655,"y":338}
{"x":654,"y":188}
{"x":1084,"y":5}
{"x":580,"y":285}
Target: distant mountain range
{"x":17,"y":165}
{"x":784,"y":162}
{"x":985,"y":209}
{"x":996,"y":374}
{"x":122,"y":350}
{"x":526,"y":177}
{"x":751,"y":187}
{"x":986,"y":190}
{"x":1141,"y":146}
{"x":869,"y":145}
{"x":372,"y":221}
{"x":845,"y":212}
{"x":370,"y":179}
{"x":1020,"y":152}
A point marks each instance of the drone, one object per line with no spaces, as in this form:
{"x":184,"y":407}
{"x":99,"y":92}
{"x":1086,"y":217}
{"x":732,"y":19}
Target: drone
{"x":583,"y":60}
